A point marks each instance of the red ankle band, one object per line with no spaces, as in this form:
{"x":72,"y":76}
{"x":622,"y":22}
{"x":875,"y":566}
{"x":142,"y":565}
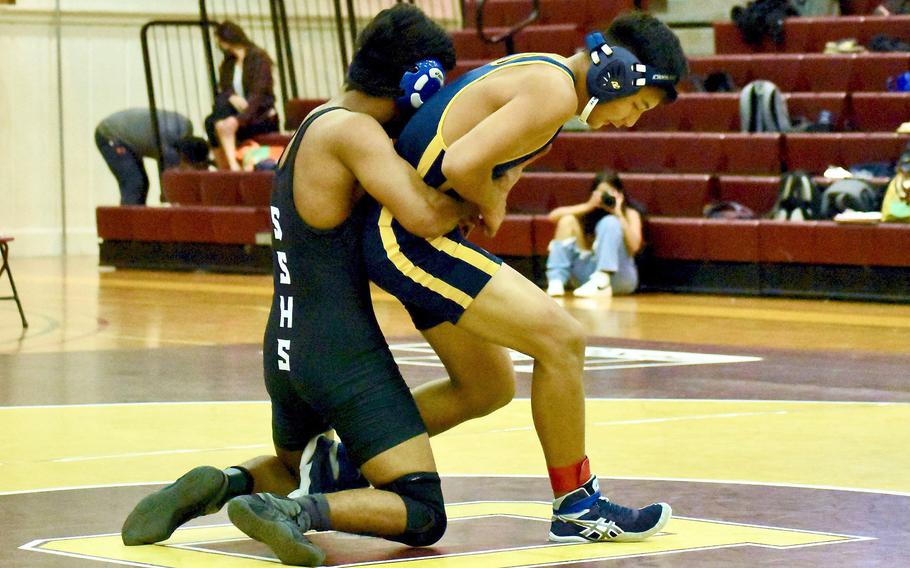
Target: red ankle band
{"x":565,"y":479}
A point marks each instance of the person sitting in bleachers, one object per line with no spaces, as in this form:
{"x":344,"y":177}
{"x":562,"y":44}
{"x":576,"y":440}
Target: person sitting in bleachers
{"x":596,"y":242}
{"x":245,"y":104}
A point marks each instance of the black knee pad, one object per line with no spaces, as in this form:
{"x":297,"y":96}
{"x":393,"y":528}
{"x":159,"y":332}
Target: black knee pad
{"x":422,"y":496}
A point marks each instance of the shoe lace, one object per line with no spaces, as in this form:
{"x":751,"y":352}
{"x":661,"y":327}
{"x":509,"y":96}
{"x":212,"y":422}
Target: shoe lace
{"x":616,"y":513}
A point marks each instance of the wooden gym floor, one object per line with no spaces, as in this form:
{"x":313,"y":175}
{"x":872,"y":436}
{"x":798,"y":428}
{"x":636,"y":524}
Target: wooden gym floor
{"x":777,"y":429}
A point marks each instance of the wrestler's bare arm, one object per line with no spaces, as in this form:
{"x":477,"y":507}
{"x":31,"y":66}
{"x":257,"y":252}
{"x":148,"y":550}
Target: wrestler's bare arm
{"x":539,"y":108}
{"x":365,"y":149}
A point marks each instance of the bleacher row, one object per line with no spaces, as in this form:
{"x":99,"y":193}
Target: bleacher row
{"x":719,"y":112}
{"x":793,"y":72}
{"x":677,"y":159}
{"x":810,"y":35}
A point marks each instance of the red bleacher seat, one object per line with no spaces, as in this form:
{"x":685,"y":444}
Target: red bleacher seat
{"x":506,"y":13}
{"x":758,"y":193}
{"x":812,"y":72}
{"x":538,"y":192}
{"x":587,"y":14}
{"x":181,"y":187}
{"x":221,"y":187}
{"x":879,"y":111}
{"x":859,"y":6}
{"x":192,"y":224}
{"x":512,"y":239}
{"x":256,"y":189}
{"x":815,"y":152}
{"x":679,"y":195}
{"x":890,"y":244}
{"x":719,"y":112}
{"x":787,"y":242}
{"x":115,"y":223}
{"x":542,"y":230}
{"x":730,"y":241}
{"x":297,"y":109}
{"x":652,"y":152}
{"x":562,"y":39}
{"x":676,"y":238}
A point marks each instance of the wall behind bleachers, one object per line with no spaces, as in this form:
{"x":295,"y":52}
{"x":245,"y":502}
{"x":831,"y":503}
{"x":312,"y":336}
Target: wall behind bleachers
{"x":102,"y":73}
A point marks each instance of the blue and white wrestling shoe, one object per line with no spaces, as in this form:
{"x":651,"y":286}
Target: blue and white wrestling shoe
{"x":325,"y":468}
{"x":585,"y":516}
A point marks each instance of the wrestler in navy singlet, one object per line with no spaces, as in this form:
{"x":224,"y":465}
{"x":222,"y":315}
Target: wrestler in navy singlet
{"x":436,"y":279}
{"x":326,"y":361}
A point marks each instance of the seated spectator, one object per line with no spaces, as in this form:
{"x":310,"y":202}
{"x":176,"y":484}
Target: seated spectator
{"x":596,"y":242}
{"x":125,"y":137}
{"x":245,"y":103}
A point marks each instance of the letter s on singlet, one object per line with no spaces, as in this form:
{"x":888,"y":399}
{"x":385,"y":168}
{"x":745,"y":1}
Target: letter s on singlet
{"x":275,"y":215}
{"x":284,"y":355}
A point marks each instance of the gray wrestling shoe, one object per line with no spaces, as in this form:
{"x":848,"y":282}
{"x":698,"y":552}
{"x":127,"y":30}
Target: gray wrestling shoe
{"x":198,"y":492}
{"x":279,"y":523}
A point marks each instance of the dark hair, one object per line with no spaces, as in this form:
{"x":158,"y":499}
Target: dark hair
{"x":652,"y":42}
{"x":229,"y":32}
{"x":193,"y":150}
{"x":589,"y":220}
{"x":610,"y":177}
{"x":392,"y":43}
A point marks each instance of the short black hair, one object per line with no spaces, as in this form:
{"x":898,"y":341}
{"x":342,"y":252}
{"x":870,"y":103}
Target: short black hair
{"x":652,"y":42}
{"x":392,"y":43}
{"x":193,"y":150}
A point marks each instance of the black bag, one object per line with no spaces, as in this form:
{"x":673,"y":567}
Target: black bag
{"x":763,"y":18}
{"x":851,"y":193}
{"x":798,"y":198}
{"x":893,"y":7}
{"x":728,"y":210}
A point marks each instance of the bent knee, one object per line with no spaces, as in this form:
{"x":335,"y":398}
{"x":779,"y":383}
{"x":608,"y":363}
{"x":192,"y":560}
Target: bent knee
{"x":422,"y":496}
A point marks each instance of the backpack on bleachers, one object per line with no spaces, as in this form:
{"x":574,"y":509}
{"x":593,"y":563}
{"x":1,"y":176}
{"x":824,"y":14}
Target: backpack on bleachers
{"x":850,"y":193}
{"x":762,"y":108}
{"x":816,"y":7}
{"x":762,"y":18}
{"x":798,"y":198}
{"x":893,"y":7}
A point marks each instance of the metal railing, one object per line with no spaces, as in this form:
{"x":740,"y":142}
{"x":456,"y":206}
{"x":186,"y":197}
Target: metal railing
{"x":179,"y":73}
{"x":507,"y":36}
{"x":311,"y":43}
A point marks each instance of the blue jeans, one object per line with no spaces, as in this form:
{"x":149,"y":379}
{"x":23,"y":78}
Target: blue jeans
{"x":127,"y":167}
{"x":566,"y":260}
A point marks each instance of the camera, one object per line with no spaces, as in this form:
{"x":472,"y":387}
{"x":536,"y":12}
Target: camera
{"x":608,"y":200}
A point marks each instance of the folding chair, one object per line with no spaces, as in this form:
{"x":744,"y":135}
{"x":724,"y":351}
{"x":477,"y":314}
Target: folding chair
{"x":4,"y":251}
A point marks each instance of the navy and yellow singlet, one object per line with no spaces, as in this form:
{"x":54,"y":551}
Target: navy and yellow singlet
{"x":436,"y":279}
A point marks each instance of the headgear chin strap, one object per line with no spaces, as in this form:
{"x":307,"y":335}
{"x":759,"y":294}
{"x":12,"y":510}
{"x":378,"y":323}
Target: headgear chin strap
{"x":615,"y":72}
{"x":419,"y":83}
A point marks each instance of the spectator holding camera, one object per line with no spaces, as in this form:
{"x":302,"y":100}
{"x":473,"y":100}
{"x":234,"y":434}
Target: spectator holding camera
{"x":596,"y":242}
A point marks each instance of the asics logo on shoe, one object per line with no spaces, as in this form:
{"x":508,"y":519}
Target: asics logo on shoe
{"x":595,"y":530}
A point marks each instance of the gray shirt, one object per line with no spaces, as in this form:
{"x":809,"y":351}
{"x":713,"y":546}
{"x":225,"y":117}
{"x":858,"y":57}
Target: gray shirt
{"x":133,"y":128}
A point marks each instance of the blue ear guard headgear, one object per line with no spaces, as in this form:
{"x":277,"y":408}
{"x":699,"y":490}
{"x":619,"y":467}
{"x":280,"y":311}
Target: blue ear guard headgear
{"x":615,"y":72}
{"x":420,"y":83}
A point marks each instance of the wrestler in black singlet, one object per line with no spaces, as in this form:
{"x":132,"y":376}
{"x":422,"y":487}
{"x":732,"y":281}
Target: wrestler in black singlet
{"x":327,"y":364}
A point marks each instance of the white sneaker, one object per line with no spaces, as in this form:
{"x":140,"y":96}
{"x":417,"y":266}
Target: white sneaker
{"x":556,"y":288}
{"x":598,"y":286}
